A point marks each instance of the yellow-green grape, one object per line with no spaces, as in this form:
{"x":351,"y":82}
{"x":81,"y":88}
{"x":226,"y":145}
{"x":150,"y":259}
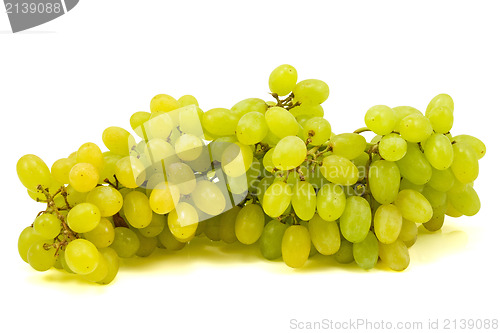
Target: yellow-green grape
{"x":83,"y":177}
{"x":107,"y":199}
{"x":437,"y":220}
{"x":169,"y":241}
{"x":465,"y":164}
{"x":361,"y":162}
{"x":466,"y":201}
{"x":401,"y":112}
{"x":208,"y":198}
{"x":330,"y":202}
{"x":41,"y":256}
{"x":249,"y":105}
{"x":339,"y":170}
{"x":441,"y":100}
{"x":441,"y":118}
{"x":218,"y":146}
{"x":164,"y":103}
{"x":47,"y":225}
{"x":281,"y":122}
{"x":406,"y":184}
{"x":74,"y":197}
{"x":384,"y":180}
{"x":187,"y":100}
{"x":452,"y":211}
{"x":392,"y":147}
{"x":439,"y":151}
{"x":100,"y":272}
{"x":395,"y":255}
{"x":60,"y":170}
{"x":117,"y":140}
{"x":237,"y":185}
{"x":414,"y":206}
{"x":408,"y":233}
{"x":137,"y":121}
{"x":296,"y":246}
{"x":126,"y":242}
{"x":220,"y":122}
{"x":435,"y":198}
{"x":387,"y":223}
{"x":356,"y":220}
{"x":90,"y":153}
{"x":188,"y":147}
{"x":271,"y":140}
{"x":81,"y":256}
{"x":283,"y":80}
{"x":414,"y":166}
{"x":365,"y":253}
{"x":137,"y":209}
{"x":308,"y":110}
{"x":236,"y":159}
{"x":156,"y":226}
{"x":227,"y":225}
{"x":212,"y":228}
{"x":183,"y":221}
{"x":112,"y":262}
{"x":190,"y":121}
{"x":345,"y":253}
{"x":277,"y":198}
{"x":83,"y":217}
{"x":415,"y":128}
{"x":304,"y":200}
{"x":102,"y":235}
{"x":317,"y":130}
{"x":325,"y":235}
{"x":289,"y":153}
{"x":380,"y":119}
{"x":348,"y":145}
{"x":252,"y":128}
{"x":202,"y":163}
{"x":164,"y":198}
{"x":108,"y":171}
{"x":159,"y":126}
{"x":32,"y":171}
{"x":130,"y":172}
{"x":27,"y":238}
{"x":311,"y":91}
{"x":262,"y":187}
{"x":271,"y":239}
{"x":147,"y":245}
{"x":249,"y":224}
{"x":181,"y":175}
{"x":473,"y":142}
{"x":158,"y":150}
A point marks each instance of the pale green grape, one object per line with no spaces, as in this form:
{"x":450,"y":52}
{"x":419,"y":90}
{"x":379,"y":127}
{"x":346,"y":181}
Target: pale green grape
{"x":401,"y":112}
{"x":339,"y":170}
{"x":249,"y":224}
{"x":317,"y":130}
{"x":137,"y":121}
{"x":102,"y":235}
{"x":40,"y":256}
{"x":304,"y":200}
{"x":264,"y":183}
{"x":414,"y":166}
{"x":81,"y":256}
{"x":409,"y":232}
{"x":441,"y":118}
{"x":227,"y":225}
{"x":345,"y":253}
{"x":130,"y":172}
{"x":83,"y":177}
{"x":208,"y":198}
{"x":107,"y":199}
{"x":181,"y":175}
{"x":203,"y":163}
{"x":348,"y":145}
{"x":60,"y":170}
{"x":108,"y":171}
{"x":361,"y":162}
{"x":83,"y":217}
{"x":159,"y":126}
{"x":289,"y":153}
{"x":441,"y":100}
{"x":267,"y":161}
{"x":74,"y":197}
{"x":271,"y":140}
{"x":126,"y":242}
{"x":356,"y":220}
{"x":169,"y":241}
{"x":190,"y":120}
{"x":439,"y":151}
{"x":437,"y":220}
{"x":473,"y":142}
{"x":187,"y":100}
{"x":188,"y":147}
{"x":237,"y":159}
{"x":387,"y":223}
{"x":415,"y":128}
{"x":212,"y":228}
{"x":452,"y":211}
{"x":27,"y":238}
{"x":112,"y":262}
{"x":392,"y":147}
{"x":237,"y":185}
{"x":384,"y":180}
{"x":117,"y":140}
{"x":163,"y":103}
{"x":147,"y":245}
{"x":156,"y":226}
{"x":218,"y":146}
{"x":164,"y":198}
{"x":183,"y":221}
{"x":249,"y":105}
{"x":252,"y":128}
{"x":435,"y":198}
{"x":158,"y":150}
{"x":330,"y":202}
{"x":442,"y":180}
{"x":414,"y":206}
{"x":100,"y":272}
{"x":281,"y":122}
{"x":465,"y":164}
{"x":271,"y":239}
{"x":47,"y":225}
{"x":395,"y":255}
{"x":380,"y":119}
{"x":90,"y":153}
{"x":365,"y":253}
{"x":311,"y":91}
{"x":283,"y":79}
{"x":308,"y":110}
{"x":465,"y":201}
{"x":407,"y":185}
{"x":220,"y":122}
{"x":325,"y":235}
{"x":277,"y":198}
{"x":137,"y":209}
{"x":32,"y":171}
{"x":296,"y":246}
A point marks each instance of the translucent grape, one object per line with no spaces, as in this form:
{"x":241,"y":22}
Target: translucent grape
{"x":187,"y":100}
{"x":249,"y":224}
{"x":32,"y":171}
{"x":473,"y":142}
{"x":126,"y":242}
{"x":384,"y":180}
{"x":159,"y":126}
{"x":392,"y":147}
{"x":271,"y":239}
{"x":155,"y":227}
{"x":169,"y":241}
{"x":401,"y":112}
{"x":409,"y":232}
{"x":83,"y":217}
{"x":466,"y":201}
{"x":102,"y":235}
{"x":339,"y":170}
{"x":47,"y":225}
{"x":317,"y":130}
{"x":356,"y":220}
{"x":81,"y":256}
{"x":395,"y":255}
{"x":277,"y":198}
{"x":227,"y":225}
{"x":117,"y":140}
{"x":209,"y":198}
{"x":283,"y":79}
{"x":147,"y":245}
{"x":236,"y":159}
{"x":218,"y":146}
{"x":60,"y":170}
{"x":252,"y":128}
{"x":164,"y":198}
{"x":441,"y":118}
{"x":414,"y":206}
{"x":107,"y":199}
{"x":365,"y":253}
{"x":137,"y":121}
{"x":308,"y":110}
{"x":137,"y":209}
{"x":435,"y":198}
{"x":188,"y":147}
{"x":220,"y":122}
{"x":27,"y":238}
{"x":304,"y":200}
{"x":296,"y":246}
{"x":415,"y":128}
{"x":387,"y":223}
{"x":164,"y":103}
{"x":311,"y":91}
{"x":325,"y":235}
{"x":330,"y":202}
{"x":281,"y":122}
{"x":345,"y":253}
{"x":130,"y":172}
{"x":289,"y":153}
{"x":91,"y":153}
{"x":439,"y":151}
{"x":249,"y":105}
{"x":441,"y":100}
{"x":348,"y":145}
{"x":74,"y":197}
{"x":414,"y":166}
{"x":380,"y":119}
{"x":40,"y":256}
{"x":465,"y":164}
{"x":437,"y":220}
{"x":157,"y":151}
{"x":183,"y":221}
{"x":181,"y":175}
{"x":190,"y":120}
{"x":83,"y":177}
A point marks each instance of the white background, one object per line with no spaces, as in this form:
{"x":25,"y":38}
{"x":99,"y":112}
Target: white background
{"x":62,"y":83}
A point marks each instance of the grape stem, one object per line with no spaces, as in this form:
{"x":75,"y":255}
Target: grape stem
{"x":286,"y":103}
{"x":115,"y":185}
{"x":119,"y":221}
{"x":361,"y":130}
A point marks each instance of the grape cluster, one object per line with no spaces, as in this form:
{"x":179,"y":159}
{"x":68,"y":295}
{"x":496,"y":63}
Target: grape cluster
{"x":266,"y":172}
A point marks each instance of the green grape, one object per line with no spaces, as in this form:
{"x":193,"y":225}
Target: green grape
{"x":252,"y":128}
{"x":380,"y":119}
{"x":90,"y":153}
{"x":102,"y":235}
{"x":117,"y":140}
{"x":169,"y":241}
{"x":339,"y":170}
{"x":107,"y":199}
{"x":384,"y":180}
{"x":281,"y":122}
{"x":348,"y":145}
{"x":330,"y":202}
{"x":188,"y":147}
{"x":32,"y":171}
{"x":83,"y":177}
{"x":187,"y":100}
{"x":304,"y":200}
{"x":439,"y":151}
{"x":271,"y":239}
{"x":147,"y":245}
{"x":83,"y":217}
{"x":441,"y":118}
{"x":277,"y":198}
{"x":414,"y":166}
{"x":409,"y":232}
{"x":40,"y":256}
{"x":220,"y":122}
{"x":237,"y":185}
{"x":249,"y":224}
{"x":271,"y":140}
{"x":262,"y":187}
{"x":218,"y":146}
{"x":27,"y":238}
{"x":283,"y":79}
{"x":249,"y":105}
{"x":130,"y":172}
{"x":415,"y":128}
{"x":465,"y":201}
{"x":407,"y":185}
{"x":208,"y":198}
{"x":442,"y":180}
{"x":308,"y":110}
{"x":108,"y":171}
{"x":155,"y":227}
{"x":159,"y":151}
{"x":325,"y":235}
{"x":203,"y":163}
{"x":137,"y":209}
{"x":313,"y":250}
{"x":435,"y":198}
{"x":401,"y":112}
{"x":395,"y":255}
{"x":360,"y":162}
{"x":164,"y":103}
{"x":414,"y":206}
{"x":392,"y":147}
{"x":137,"y":121}
{"x":452,"y":211}
{"x":181,"y":175}
{"x":465,"y":164}
{"x":296,"y":246}
{"x":317,"y":130}
{"x":60,"y":170}
{"x":356,"y":220}
{"x":100,"y":272}
{"x":158,"y":126}
{"x":183,"y":221}
{"x":387,"y":223}
{"x":126,"y":242}
{"x":345,"y":253}
{"x":190,"y":120}
{"x":437,"y":220}
{"x":365,"y":253}
{"x":441,"y":100}
{"x":212,"y":228}
{"x":164,"y":198}
{"x":311,"y":91}
{"x":227,"y":225}
{"x":112,"y":262}
{"x":289,"y":153}
{"x":82,"y":256}
{"x":47,"y":225}
{"x":74,"y":197}
{"x":473,"y":142}
{"x":236,"y":159}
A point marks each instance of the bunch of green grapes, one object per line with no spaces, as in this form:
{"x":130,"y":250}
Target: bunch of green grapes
{"x":270,"y":173}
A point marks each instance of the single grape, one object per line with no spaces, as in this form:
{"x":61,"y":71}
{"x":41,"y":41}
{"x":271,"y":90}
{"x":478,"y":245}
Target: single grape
{"x":209,"y":198}
{"x":289,"y":153}
{"x":137,"y":209}
{"x":414,"y":166}
{"x":330,"y":202}
{"x":164,"y":103}
{"x":305,"y":111}
{"x":325,"y":235}
{"x":317,"y":130}
{"x":100,"y":272}
{"x":118,"y":140}
{"x":441,"y":118}
{"x":130,"y":172}
{"x":392,"y":147}
{"x":81,"y":256}
{"x":158,"y":126}
{"x":441,"y":100}
{"x":271,"y":239}
{"x":155,"y":227}
{"x":90,"y":153}
{"x":249,"y":105}
{"x":311,"y":91}
{"x":252,"y":128}
{"x":169,"y":241}
{"x":296,"y":246}
{"x":414,"y":206}
{"x":27,"y":238}
{"x":384,"y":180}
{"x":249,"y":224}
{"x":220,"y":122}
{"x":83,"y":217}
{"x":108,"y":171}
{"x":183,"y":221}
{"x":181,"y":175}
{"x":60,"y":170}
{"x":41,"y":256}
{"x":401,"y":112}
{"x":365,"y":253}
{"x":465,"y":164}
{"x":102,"y":235}
{"x":164,"y":198}
{"x":409,"y":232}
{"x":473,"y":142}
{"x":237,"y":159}
{"x":281,"y":122}
{"x":439,"y":151}
{"x":348,"y":145}
{"x":212,"y":228}
{"x":345,"y":253}
{"x":137,"y":121}
{"x":304,"y":200}
{"x":83,"y":177}
{"x":466,"y":201}
{"x":108,"y":199}
{"x":339,"y":170}
{"x":387,"y":223}
{"x":190,"y":120}
{"x":356,"y":220}
{"x":435,"y":198}
{"x":415,"y":128}
{"x":187,"y":100}
{"x":147,"y":245}
{"x":158,"y":151}
{"x":126,"y":242}
{"x":47,"y":225}
{"x":227,"y":225}
{"x":395,"y":255}
{"x":277,"y":198}
{"x":32,"y":171}
{"x":380,"y":119}
{"x":283,"y":79}
{"x":188,"y":147}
